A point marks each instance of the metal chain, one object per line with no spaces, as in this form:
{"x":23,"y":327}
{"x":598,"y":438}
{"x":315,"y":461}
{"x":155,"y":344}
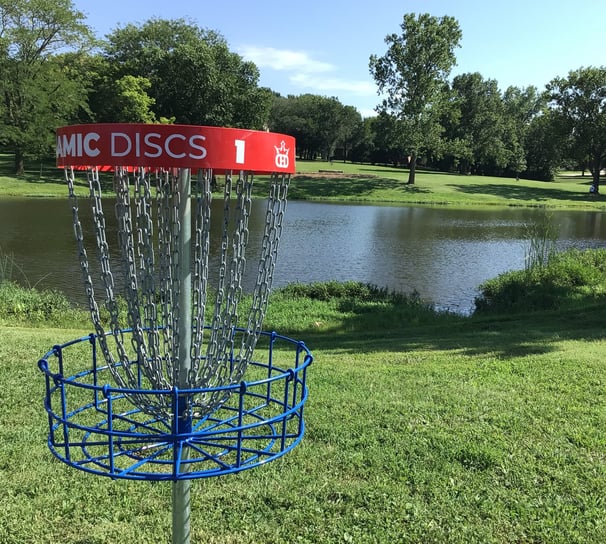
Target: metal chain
{"x":175,"y":286}
{"x":274,"y":216}
{"x":164,"y":249}
{"x":217,"y":367}
{"x":127,"y":247}
{"x":151,"y":259}
{"x":200,"y":268}
{"x":212,"y":354}
{"x":108,"y":280}
{"x":146,"y":267}
{"x":106,"y":276}
{"x":83,"y":259}
{"x":223,"y":370}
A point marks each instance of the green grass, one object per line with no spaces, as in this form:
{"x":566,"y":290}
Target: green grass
{"x":421,"y":427}
{"x":347,"y":182}
{"x":383,"y":184}
{"x":573,"y":278}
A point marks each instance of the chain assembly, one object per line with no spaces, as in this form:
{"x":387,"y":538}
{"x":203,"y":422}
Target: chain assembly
{"x":147,"y":241}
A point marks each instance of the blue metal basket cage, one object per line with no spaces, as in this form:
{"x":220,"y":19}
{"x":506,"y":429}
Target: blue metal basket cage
{"x":94,"y":426}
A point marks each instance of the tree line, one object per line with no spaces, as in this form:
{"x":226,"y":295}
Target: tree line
{"x":469,"y":125}
{"x":55,"y":72}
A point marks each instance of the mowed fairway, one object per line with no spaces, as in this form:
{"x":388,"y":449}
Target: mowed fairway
{"x":347,"y":182}
{"x":388,"y":185}
{"x":467,"y":430}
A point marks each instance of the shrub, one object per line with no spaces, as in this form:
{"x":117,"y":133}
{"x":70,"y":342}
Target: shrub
{"x":348,"y":306}
{"x":567,"y":278}
{"x":7,"y":265}
{"x":30,"y":306}
{"x":329,"y":290}
{"x":349,"y":291}
{"x":541,"y":236}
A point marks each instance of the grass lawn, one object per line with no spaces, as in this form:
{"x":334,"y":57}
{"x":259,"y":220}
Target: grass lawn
{"x":367,"y":183}
{"x":347,"y":182}
{"x":451,"y":429}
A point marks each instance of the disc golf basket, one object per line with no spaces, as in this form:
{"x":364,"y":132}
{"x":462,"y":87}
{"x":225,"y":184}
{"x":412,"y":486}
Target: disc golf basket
{"x":174,"y":384}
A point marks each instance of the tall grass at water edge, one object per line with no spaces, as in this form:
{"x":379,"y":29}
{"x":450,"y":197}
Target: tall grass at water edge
{"x":550,"y":279}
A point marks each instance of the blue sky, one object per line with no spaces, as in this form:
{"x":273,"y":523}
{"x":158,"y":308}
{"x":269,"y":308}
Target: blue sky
{"x":323,"y":47}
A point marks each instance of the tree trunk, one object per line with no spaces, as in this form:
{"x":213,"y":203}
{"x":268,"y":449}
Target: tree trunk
{"x":595,"y":184}
{"x":413,"y":167}
{"x":595,"y":174}
{"x":19,"y":162}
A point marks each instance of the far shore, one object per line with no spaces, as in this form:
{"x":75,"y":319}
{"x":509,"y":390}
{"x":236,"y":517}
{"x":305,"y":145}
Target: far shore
{"x":370,"y":184}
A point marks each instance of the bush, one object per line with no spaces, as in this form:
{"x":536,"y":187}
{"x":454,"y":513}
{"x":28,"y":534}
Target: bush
{"x":30,"y":306}
{"x":567,"y":278}
{"x":329,"y":290}
{"x":348,"y":306}
{"x":347,"y":290}
{"x":7,"y":266}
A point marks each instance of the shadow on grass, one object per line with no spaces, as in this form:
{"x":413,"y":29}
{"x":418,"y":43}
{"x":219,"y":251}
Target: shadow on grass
{"x":35,"y":172}
{"x":578,"y":177}
{"x":344,"y":187}
{"x":403,"y":172}
{"x":502,"y":336}
{"x":525,"y":193}
{"x":384,"y":171}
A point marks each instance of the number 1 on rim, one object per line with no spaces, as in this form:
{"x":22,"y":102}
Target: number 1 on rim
{"x":240,"y":145}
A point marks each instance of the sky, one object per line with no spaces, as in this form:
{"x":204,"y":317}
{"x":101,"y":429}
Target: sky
{"x":323,"y":46}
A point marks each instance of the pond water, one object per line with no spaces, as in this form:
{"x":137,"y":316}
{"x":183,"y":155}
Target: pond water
{"x":443,"y":254}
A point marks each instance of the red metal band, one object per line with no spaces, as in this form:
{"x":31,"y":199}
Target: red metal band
{"x":174,"y":146}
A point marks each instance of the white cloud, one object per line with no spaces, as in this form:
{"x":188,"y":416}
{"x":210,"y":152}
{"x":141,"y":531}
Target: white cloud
{"x":284,"y":59}
{"x":312,"y":81}
{"x":305,"y":72}
{"x":368,"y":112}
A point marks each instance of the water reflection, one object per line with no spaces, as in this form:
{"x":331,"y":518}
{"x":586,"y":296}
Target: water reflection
{"x":444,"y":254}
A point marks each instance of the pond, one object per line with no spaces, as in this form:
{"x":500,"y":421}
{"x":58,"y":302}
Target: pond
{"x":443,"y":254}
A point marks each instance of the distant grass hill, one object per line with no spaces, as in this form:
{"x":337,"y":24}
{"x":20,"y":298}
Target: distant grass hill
{"x":377,"y":184}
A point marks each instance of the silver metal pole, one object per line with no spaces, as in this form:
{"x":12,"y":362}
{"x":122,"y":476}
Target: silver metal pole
{"x":181,"y":488}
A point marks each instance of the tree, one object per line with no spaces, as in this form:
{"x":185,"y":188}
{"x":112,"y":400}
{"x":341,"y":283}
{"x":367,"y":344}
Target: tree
{"x":578,"y":103}
{"x":194,"y":76}
{"x":477,"y":124}
{"x":114,"y":99}
{"x":412,"y":73}
{"x":319,"y":123}
{"x":38,"y":89}
{"x":521,"y":107}
{"x":388,"y":140}
{"x":290,"y":116}
{"x":349,"y":128}
{"x":364,"y":148}
{"x":543,"y":147}
{"x":324,"y":113}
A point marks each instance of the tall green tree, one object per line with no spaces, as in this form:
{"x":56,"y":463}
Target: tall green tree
{"x":319,"y":123}
{"x":388,"y":136}
{"x":543,"y":147}
{"x":412,"y":74}
{"x":325,"y":112}
{"x":289,"y":115}
{"x":194,"y":77}
{"x":578,"y":103}
{"x":349,"y":128}
{"x":364,"y":147}
{"x":520,"y":107}
{"x":477,"y":123}
{"x":37,"y":88}
{"x":114,"y":99}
